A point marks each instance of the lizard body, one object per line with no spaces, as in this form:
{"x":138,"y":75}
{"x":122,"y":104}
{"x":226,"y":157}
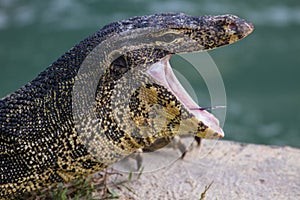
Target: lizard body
{"x":40,"y":142}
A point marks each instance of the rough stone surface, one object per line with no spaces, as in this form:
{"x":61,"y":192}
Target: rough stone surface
{"x":238,"y":171}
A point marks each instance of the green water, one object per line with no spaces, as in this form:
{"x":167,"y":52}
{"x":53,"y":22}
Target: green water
{"x":260,"y":73}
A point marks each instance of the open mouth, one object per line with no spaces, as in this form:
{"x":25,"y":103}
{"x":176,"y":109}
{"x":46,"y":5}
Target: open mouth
{"x":163,"y":73}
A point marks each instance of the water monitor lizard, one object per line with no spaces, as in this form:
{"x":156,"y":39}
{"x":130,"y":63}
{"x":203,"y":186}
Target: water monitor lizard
{"x":40,"y":142}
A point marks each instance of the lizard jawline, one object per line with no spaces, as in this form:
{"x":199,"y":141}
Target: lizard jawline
{"x":163,"y":73}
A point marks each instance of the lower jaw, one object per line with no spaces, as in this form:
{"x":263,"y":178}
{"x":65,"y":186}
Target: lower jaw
{"x":164,"y":75}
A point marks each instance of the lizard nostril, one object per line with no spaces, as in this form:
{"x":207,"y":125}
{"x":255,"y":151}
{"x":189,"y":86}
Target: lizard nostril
{"x":232,"y":27}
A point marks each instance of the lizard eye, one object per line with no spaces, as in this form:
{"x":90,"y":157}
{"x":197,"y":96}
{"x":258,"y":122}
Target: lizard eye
{"x":169,"y":37}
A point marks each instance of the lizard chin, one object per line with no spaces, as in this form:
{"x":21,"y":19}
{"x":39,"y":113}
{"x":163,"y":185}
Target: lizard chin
{"x":162,"y":72}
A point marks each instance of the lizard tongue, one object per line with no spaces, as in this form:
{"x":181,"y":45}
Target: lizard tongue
{"x":163,"y":73}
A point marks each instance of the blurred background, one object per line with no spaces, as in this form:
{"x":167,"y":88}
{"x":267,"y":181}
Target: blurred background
{"x":261,"y":73}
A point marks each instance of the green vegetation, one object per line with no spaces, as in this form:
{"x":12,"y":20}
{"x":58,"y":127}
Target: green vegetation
{"x":95,"y":187}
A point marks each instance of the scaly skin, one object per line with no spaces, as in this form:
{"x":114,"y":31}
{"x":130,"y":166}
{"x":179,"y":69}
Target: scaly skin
{"x":39,"y":140}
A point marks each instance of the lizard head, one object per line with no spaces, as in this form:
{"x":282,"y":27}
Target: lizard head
{"x":138,"y":98}
{"x":181,"y":33}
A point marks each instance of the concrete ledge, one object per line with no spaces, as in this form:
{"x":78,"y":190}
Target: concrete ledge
{"x":238,"y":171}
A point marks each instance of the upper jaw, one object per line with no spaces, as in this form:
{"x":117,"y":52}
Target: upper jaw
{"x":163,"y":73}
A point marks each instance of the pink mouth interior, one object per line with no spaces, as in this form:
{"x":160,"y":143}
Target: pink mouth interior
{"x":163,"y":73}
